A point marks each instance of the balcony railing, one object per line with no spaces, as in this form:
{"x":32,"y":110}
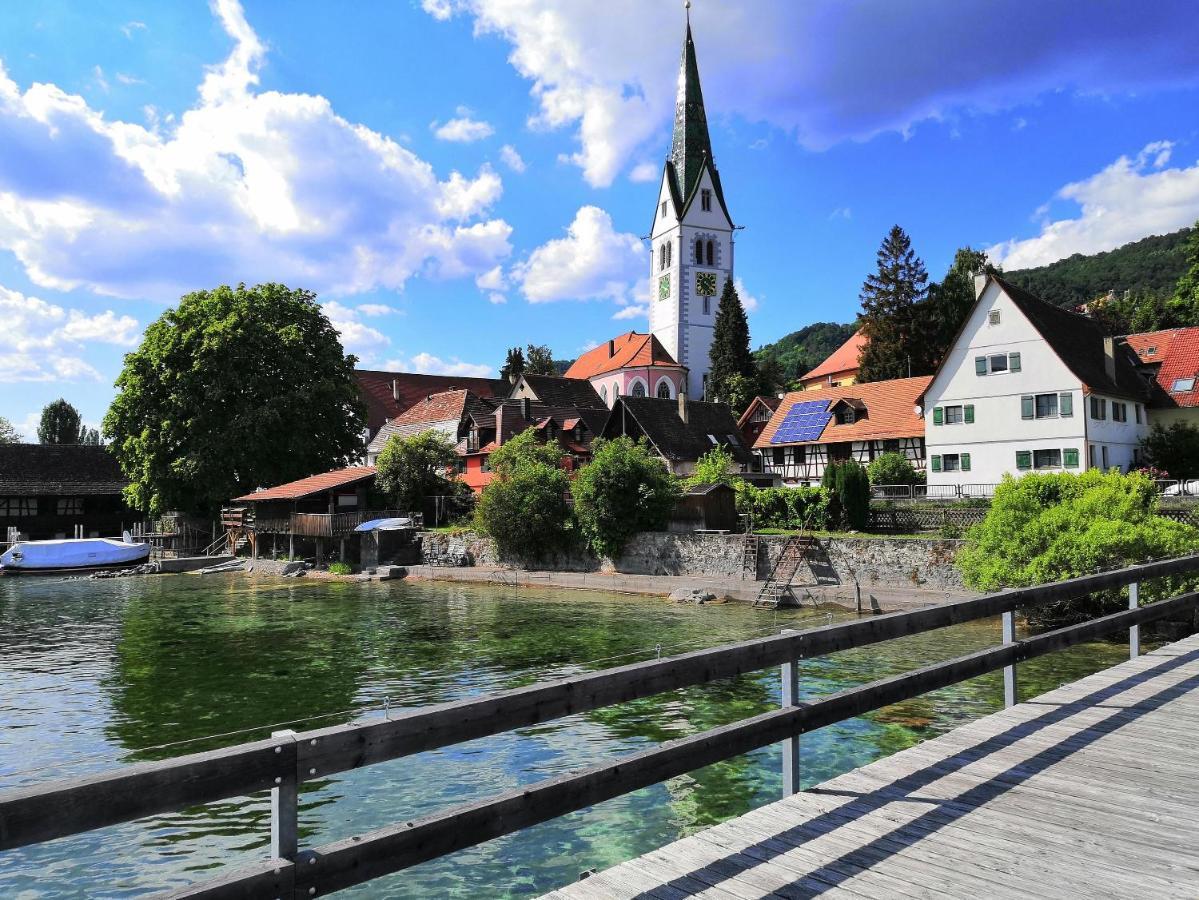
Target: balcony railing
{"x":323,"y":525}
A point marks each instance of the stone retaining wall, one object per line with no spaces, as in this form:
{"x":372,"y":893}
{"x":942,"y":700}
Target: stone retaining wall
{"x":874,"y":562}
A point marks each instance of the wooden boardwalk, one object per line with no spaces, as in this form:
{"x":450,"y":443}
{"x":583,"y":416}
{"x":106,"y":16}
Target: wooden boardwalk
{"x":1087,"y":791}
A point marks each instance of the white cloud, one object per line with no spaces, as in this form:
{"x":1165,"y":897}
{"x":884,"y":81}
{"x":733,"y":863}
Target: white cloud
{"x":822,"y":71}
{"x":593,"y":261}
{"x":244,"y":186}
{"x":632,"y":311}
{"x":98,"y":78}
{"x":492,"y":280}
{"x":497,"y":298}
{"x":429,"y":364}
{"x":131,"y":28}
{"x":748,"y":300}
{"x":462,"y":130}
{"x":375,"y":309}
{"x":1126,"y":201}
{"x":127,"y":79}
{"x":643,"y":172}
{"x":512,"y":159}
{"x":41,"y":341}
{"x":841,"y":212}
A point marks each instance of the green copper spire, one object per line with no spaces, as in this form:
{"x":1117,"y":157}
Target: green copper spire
{"x":691,"y":143}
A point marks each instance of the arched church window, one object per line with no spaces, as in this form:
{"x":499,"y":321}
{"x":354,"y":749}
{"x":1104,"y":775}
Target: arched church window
{"x":604,"y":395}
{"x":699,"y":252}
{"x":663,"y":389}
{"x":638,"y":389}
{"x":661,"y":256}
{"x":711,"y":253}
{"x":669,"y":254}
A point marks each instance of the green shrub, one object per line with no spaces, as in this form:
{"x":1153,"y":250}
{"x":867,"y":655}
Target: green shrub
{"x":784,"y":507}
{"x":340,"y":568}
{"x":713,"y":468}
{"x":1174,"y":449}
{"x":415,"y":467}
{"x":893,"y":468}
{"x":623,"y":490}
{"x":848,"y":487}
{"x":1045,"y":528}
{"x":524,"y":508}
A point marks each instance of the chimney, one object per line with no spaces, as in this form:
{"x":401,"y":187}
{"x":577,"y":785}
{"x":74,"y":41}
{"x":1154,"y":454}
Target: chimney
{"x":683,"y":406}
{"x":526,"y":408}
{"x":395,"y":390}
{"x":513,"y":378}
{"x":499,"y":424}
{"x":980,"y":282}
{"x":611,"y":347}
{"x":1109,"y":357}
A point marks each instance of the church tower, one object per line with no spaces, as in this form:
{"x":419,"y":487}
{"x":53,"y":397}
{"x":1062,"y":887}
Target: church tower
{"x":692,"y":236}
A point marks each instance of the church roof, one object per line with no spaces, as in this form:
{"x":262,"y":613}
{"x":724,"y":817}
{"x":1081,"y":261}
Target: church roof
{"x":627,"y":351}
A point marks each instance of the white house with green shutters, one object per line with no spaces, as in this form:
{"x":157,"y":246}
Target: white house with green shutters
{"x":1029,"y":387}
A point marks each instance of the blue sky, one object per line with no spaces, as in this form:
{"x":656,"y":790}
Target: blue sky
{"x":457,"y":176}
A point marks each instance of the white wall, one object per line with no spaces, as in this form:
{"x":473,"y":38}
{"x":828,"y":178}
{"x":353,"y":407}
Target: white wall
{"x":998,"y":430}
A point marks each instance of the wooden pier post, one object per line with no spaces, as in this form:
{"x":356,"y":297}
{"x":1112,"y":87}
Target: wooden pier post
{"x":790,"y":697}
{"x":1134,"y":631}
{"x":285,"y":799}
{"x":1010,"y":690}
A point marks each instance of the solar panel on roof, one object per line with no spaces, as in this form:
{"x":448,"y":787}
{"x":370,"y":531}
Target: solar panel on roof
{"x":803,"y":422}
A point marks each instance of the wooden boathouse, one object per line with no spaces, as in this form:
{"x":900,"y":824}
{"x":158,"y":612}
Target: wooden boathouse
{"x":1088,"y":790}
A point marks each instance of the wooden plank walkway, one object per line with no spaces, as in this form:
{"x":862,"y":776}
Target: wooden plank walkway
{"x":1087,"y":791}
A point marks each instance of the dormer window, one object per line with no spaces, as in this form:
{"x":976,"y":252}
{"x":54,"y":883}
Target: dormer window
{"x":705,"y":200}
{"x":849,"y":410}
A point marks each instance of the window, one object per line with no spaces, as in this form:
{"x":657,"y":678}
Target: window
{"x":663,"y":209}
{"x":778,"y":456}
{"x":663,"y":389}
{"x":1103,"y":452}
{"x":70,"y":506}
{"x":705,"y":200}
{"x":1070,"y":458}
{"x":953,"y":415}
{"x":699,"y":252}
{"x":661,"y":257}
{"x":950,"y":462}
{"x":1119,"y":412}
{"x":1065,"y":405}
{"x":845,"y":415}
{"x":996,"y":363}
{"x":669,"y":252}
{"x":604,"y":395}
{"x":1137,"y":409}
{"x":1023,"y":459}
{"x":1098,"y":408}
{"x":638,"y":389}
{"x":891,"y":445}
{"x":707,"y":305}
{"x":18,"y":506}
{"x":485,"y":463}
{"x":1183,"y":384}
{"x":1091,"y":456}
{"x":993,"y":317}
{"x":711,"y":253}
{"x":1045,"y":406}
{"x":1047,"y":459}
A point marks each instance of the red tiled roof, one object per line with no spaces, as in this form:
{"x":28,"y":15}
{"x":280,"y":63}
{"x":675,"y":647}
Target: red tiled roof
{"x":443,"y":407}
{"x":629,"y":351}
{"x":313,"y":484}
{"x":842,"y":360}
{"x":376,"y":389}
{"x":1181,"y":362}
{"x":890,"y":411}
{"x":1152,"y":346}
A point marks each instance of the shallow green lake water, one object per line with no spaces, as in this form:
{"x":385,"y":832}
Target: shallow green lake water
{"x":96,"y":673}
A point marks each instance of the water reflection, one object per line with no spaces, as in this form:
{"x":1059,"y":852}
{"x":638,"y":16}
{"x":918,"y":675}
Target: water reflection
{"x":107,"y":671}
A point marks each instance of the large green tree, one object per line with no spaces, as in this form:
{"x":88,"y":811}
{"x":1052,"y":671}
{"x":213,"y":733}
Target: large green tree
{"x":414,"y":467}
{"x":730,"y":355}
{"x":524,"y":508}
{"x":895,"y":348}
{"x":514,"y":364}
{"x":1174,"y":449}
{"x":623,"y":490}
{"x":1185,"y":302}
{"x":233,"y":389}
{"x":60,"y":424}
{"x":539,"y":360}
{"x":948,"y":303}
{"x":8,"y":434}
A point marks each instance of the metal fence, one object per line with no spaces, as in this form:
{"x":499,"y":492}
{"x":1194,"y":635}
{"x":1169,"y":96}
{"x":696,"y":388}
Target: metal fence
{"x":917,"y":492}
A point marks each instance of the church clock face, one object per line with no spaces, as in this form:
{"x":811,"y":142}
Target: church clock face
{"x":705,"y":284}
{"x":663,"y":287}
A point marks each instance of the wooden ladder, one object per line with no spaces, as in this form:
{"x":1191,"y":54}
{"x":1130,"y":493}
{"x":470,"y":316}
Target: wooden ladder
{"x":749,"y":557}
{"x":778,"y":585}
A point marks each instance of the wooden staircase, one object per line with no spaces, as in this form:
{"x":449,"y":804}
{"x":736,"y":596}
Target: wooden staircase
{"x":778,"y":585}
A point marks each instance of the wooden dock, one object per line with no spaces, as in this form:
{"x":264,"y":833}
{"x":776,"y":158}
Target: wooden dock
{"x":1087,"y":791}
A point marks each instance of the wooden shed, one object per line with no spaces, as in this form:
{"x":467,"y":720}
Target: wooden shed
{"x":706,"y":507}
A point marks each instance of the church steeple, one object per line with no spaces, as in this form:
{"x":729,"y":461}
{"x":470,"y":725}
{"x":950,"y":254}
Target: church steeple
{"x":691,"y":144}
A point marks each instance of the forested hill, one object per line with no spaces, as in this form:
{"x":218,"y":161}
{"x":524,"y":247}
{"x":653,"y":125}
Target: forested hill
{"x":1149,"y":266}
{"x":803,"y":350}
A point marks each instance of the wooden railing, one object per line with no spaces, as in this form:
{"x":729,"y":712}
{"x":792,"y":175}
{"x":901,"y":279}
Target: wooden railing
{"x":323,"y":525}
{"x":60,"y":808}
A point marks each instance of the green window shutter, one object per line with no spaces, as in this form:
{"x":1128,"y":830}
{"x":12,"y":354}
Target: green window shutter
{"x":1026,"y":407}
{"x":1013,"y":362}
{"x":968,"y":414}
{"x":965,"y":462}
{"x":980,"y":365}
{"x":936,"y":463}
{"x":1065,"y":405}
{"x":1023,"y":459}
{"x":1070,"y":458}
{"x":938,"y":416}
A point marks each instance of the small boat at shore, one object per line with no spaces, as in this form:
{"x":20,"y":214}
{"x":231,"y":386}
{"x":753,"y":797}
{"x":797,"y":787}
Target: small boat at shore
{"x":72,"y":555}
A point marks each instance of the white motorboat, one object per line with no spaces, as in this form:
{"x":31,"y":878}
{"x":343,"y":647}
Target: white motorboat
{"x":72,"y":555}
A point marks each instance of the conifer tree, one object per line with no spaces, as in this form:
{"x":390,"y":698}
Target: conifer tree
{"x":514,"y":364}
{"x":949,"y":302}
{"x":60,"y":424}
{"x":895,"y":347}
{"x":730,"y":355}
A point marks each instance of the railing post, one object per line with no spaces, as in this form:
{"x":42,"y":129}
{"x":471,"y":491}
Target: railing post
{"x":790,"y":697}
{"x":1009,"y":672}
{"x":285,"y":799}
{"x":1134,"y":631}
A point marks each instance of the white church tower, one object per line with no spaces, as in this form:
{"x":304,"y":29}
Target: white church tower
{"x":692,"y":235}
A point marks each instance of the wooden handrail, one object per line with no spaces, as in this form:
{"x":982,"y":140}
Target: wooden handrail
{"x":60,"y":808}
